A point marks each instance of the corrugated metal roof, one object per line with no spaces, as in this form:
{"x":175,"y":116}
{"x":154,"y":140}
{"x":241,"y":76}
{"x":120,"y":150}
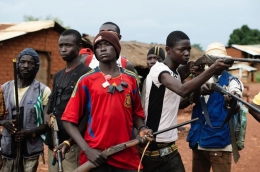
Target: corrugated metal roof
{"x":243,"y":67}
{"x":250,"y":49}
{"x":27,"y":27}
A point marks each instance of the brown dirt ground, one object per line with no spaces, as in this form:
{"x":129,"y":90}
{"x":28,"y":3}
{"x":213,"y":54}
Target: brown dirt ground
{"x":249,"y":160}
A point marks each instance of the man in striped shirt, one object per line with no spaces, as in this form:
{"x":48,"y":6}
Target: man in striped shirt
{"x":164,"y":90}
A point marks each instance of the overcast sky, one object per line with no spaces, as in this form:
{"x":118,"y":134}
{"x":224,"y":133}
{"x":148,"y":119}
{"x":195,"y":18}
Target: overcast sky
{"x":204,"y":21}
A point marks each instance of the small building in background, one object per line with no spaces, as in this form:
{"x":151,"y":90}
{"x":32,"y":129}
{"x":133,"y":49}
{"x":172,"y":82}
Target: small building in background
{"x":42,"y":36}
{"x":247,"y":72}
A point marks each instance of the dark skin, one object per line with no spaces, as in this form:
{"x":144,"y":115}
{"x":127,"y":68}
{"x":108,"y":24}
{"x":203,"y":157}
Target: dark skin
{"x":179,"y":54}
{"x":69,"y":49}
{"x":112,"y":28}
{"x":188,"y":68}
{"x":255,"y":114}
{"x":27,"y":70}
{"x":83,"y":58}
{"x":106,"y":54}
{"x":185,"y":71}
{"x":152,"y":59}
{"x":206,"y":90}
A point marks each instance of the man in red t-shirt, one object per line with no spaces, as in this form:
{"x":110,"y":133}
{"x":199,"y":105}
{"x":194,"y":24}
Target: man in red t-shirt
{"x":111,"y":96}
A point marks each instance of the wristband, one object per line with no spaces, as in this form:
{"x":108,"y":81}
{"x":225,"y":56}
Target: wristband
{"x":33,"y":133}
{"x":67,"y":142}
{"x":143,"y":126}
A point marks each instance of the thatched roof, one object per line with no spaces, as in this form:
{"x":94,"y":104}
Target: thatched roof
{"x":136,"y":52}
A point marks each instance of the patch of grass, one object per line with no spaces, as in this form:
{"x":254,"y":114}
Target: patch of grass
{"x":257,"y":75}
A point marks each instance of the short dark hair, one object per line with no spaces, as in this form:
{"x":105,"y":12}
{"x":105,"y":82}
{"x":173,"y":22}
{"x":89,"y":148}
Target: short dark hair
{"x":73,"y":32}
{"x":86,"y":42}
{"x":174,"y":37}
{"x":114,"y":25}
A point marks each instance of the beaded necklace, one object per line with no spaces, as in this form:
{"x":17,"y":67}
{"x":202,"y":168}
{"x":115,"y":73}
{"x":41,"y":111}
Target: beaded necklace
{"x":112,"y":88}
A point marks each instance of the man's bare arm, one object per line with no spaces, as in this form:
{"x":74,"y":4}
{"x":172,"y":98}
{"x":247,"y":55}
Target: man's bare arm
{"x":93,"y":155}
{"x":185,"y":89}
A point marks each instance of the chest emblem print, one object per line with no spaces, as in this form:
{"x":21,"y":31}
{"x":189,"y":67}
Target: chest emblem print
{"x":128,"y":101}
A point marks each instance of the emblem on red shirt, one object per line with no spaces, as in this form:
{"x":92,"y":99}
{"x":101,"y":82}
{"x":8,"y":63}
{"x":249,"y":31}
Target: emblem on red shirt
{"x":127,"y":101}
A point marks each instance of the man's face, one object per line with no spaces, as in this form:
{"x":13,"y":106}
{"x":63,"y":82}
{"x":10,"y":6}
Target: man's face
{"x":180,"y":52}
{"x":152,"y":59}
{"x":105,"y":52}
{"x":111,"y":28}
{"x":26,"y":67}
{"x":68,"y":47}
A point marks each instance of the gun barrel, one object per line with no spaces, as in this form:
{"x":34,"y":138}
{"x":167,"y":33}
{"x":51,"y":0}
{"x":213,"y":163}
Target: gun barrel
{"x":19,"y":123}
{"x":221,"y":90}
{"x":56,"y":144}
{"x":246,"y":60}
{"x":175,"y":126}
{"x":15,"y":87}
{"x":59,"y":161}
{"x":209,"y":59}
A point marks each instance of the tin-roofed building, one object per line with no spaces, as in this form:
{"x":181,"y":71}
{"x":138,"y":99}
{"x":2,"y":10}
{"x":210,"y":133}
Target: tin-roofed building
{"x":245,"y":71}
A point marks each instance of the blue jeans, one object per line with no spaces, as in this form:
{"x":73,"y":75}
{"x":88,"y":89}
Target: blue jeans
{"x":168,"y":163}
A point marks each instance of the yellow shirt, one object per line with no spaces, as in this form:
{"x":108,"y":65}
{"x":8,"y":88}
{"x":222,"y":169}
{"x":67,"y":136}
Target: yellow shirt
{"x":257,"y":99}
{"x":45,"y":94}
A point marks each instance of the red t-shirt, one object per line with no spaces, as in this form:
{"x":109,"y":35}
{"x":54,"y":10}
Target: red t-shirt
{"x":111,"y":115}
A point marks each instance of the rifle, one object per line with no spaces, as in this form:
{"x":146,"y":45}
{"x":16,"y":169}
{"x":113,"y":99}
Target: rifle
{"x":18,"y":123}
{"x":209,"y":59}
{"x":55,"y":129}
{"x":221,"y":90}
{"x":87,"y":166}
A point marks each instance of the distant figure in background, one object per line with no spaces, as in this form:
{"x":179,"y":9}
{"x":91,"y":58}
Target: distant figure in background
{"x":30,"y":93}
{"x":92,"y":61}
{"x":86,"y":50}
{"x":256,"y":103}
{"x":86,"y":42}
{"x":154,"y":54}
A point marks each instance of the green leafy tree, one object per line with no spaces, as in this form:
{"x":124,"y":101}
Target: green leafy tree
{"x":198,"y":46}
{"x":30,"y":18}
{"x":244,"y":36}
{"x":49,"y":17}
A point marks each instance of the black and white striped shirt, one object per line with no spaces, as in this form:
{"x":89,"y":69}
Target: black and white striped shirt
{"x":161,"y":104}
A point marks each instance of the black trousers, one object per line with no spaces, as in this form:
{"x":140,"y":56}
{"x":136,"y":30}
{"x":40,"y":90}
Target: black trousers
{"x":110,"y":168}
{"x":168,"y":163}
